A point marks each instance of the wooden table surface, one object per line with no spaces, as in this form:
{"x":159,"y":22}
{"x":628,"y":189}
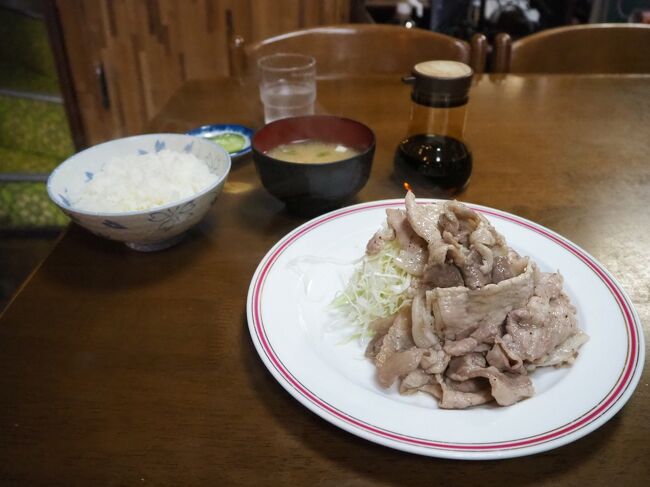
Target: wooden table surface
{"x":125,"y":368}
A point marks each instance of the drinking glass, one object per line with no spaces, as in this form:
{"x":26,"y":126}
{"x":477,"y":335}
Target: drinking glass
{"x":287,"y":85}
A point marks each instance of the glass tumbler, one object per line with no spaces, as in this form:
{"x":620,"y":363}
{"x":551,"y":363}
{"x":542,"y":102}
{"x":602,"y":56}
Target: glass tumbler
{"x":287,"y":85}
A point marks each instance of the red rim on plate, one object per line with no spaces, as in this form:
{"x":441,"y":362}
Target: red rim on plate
{"x":578,"y":427}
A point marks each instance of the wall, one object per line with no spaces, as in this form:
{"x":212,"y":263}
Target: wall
{"x":146,"y":49}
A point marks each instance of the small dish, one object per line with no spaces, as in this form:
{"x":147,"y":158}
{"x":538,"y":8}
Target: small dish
{"x":235,"y":139}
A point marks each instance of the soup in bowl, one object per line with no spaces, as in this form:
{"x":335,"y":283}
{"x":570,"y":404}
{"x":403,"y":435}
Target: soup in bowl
{"x":314,"y":163}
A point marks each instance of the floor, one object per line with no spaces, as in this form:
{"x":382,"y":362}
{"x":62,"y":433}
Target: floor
{"x":19,"y":256}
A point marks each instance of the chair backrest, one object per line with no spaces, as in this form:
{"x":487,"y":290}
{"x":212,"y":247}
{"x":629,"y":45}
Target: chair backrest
{"x":349,"y":49}
{"x":580,"y":49}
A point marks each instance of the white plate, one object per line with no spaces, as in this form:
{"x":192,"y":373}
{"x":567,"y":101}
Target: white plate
{"x":290,"y":324}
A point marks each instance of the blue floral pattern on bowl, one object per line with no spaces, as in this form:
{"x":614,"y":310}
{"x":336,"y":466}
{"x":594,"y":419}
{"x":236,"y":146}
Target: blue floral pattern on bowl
{"x":115,"y":225}
{"x":169,"y":218}
{"x":65,"y":200}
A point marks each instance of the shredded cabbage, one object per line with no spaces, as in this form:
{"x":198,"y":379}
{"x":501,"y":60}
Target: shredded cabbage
{"x":377,"y":289}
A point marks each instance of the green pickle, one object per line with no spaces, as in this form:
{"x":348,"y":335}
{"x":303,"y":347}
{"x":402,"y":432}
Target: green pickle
{"x":229,"y":141}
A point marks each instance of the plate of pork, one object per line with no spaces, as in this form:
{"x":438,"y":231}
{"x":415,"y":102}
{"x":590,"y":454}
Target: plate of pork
{"x":445,"y":329}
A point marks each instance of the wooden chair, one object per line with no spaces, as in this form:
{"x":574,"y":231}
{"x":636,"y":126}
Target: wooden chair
{"x":580,"y":49}
{"x":349,"y":49}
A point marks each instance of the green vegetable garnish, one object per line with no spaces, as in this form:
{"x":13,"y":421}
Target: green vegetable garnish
{"x":377,"y":289}
{"x":229,"y":141}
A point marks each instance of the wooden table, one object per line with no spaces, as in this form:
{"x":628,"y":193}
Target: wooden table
{"x":123,"y":368}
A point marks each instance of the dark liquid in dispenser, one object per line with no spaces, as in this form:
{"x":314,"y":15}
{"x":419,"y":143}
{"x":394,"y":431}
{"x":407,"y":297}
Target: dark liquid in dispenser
{"x":444,"y":161}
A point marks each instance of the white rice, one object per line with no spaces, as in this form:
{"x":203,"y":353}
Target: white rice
{"x":143,"y":182}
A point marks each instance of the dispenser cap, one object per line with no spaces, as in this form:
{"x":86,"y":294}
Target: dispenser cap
{"x":443,"y":69}
{"x":441,"y":83}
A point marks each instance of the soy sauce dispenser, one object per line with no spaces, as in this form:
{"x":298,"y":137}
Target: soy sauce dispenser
{"x":434,"y":149}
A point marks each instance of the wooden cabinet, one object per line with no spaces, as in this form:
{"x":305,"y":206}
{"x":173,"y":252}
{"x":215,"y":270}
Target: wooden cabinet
{"x":125,"y":58}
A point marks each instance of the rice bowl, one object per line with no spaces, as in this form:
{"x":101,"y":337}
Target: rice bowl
{"x":144,"y":229}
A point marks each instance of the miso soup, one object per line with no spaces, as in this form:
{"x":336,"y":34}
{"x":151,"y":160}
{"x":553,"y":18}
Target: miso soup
{"x":312,"y":152}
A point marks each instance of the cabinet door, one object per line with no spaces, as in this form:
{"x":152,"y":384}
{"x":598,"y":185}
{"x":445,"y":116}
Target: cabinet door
{"x":127,"y":57}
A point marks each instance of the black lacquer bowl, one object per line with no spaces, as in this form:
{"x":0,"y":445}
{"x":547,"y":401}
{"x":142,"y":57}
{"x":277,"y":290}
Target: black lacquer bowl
{"x":307,"y":188}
